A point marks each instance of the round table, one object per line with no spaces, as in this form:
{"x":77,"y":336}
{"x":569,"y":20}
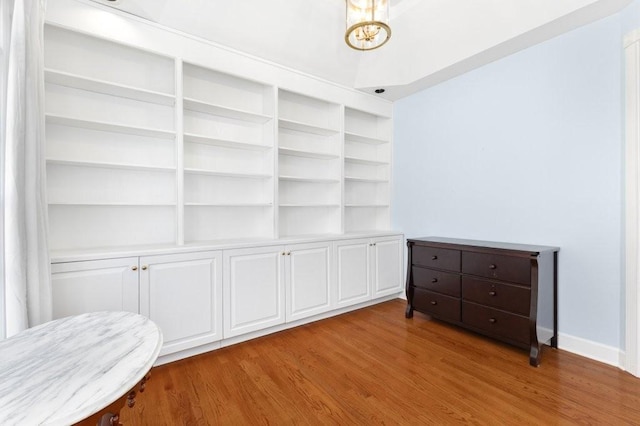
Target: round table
{"x":70,"y":369}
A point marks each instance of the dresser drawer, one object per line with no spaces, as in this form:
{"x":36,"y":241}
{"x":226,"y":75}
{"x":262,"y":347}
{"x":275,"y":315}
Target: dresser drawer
{"x":499,"y":267}
{"x":436,"y":258}
{"x":438,"y":305}
{"x":496,"y":322}
{"x":496,"y":295}
{"x":438,"y":281}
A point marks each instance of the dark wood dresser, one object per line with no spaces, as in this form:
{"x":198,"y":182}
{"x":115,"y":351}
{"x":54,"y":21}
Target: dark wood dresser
{"x":502,"y":290}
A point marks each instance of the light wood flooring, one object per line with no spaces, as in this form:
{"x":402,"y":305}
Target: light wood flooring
{"x":372,"y":367}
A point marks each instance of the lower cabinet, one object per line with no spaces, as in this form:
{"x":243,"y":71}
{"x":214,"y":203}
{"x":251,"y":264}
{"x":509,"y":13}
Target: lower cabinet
{"x":258,"y":281}
{"x":368,"y":269}
{"x":253,"y":289}
{"x":353,"y":272}
{"x":308,"y":280}
{"x":203,"y":297}
{"x":96,"y":285}
{"x":182,"y":294}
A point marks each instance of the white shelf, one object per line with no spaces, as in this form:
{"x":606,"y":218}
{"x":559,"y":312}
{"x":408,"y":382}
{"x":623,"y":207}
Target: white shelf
{"x":363,"y":161}
{"x":220,"y":110}
{"x":310,"y":205}
{"x":308,"y":180}
{"x":228,"y":204}
{"x":307,"y":128}
{"x":366,"y":180}
{"x":205,"y":140}
{"x":355,"y":137}
{"x":106,"y":165}
{"x":109,"y":127}
{"x":110,"y":203}
{"x":105,"y":87}
{"x":367,"y":205}
{"x":308,"y":154}
{"x":226,"y":174}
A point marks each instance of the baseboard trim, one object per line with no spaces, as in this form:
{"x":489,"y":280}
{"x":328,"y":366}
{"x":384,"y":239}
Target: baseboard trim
{"x":590,"y":349}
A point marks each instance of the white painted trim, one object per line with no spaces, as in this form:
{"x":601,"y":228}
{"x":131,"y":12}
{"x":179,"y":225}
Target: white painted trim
{"x":589,"y":349}
{"x":632,"y":207}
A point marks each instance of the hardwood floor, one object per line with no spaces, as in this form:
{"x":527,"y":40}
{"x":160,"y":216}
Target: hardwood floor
{"x":373,"y":366}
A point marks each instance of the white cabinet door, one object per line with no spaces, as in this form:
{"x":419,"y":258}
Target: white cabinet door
{"x":97,"y":285}
{"x":353,"y":270}
{"x":253,"y":289}
{"x":182,"y":294}
{"x":308,"y":280}
{"x":386,"y":263}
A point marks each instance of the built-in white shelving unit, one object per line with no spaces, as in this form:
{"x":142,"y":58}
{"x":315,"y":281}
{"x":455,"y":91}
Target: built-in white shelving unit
{"x":228,"y":156}
{"x":309,"y":165}
{"x":367,"y":171}
{"x":186,"y":180}
{"x":149,"y":149}
{"x":111,"y":161}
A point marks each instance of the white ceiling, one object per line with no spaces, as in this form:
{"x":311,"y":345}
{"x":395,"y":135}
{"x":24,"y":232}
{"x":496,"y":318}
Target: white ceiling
{"x":432,"y":40}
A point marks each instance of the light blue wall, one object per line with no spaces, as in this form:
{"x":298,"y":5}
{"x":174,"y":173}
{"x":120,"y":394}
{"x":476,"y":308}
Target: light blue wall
{"x":528,"y":149}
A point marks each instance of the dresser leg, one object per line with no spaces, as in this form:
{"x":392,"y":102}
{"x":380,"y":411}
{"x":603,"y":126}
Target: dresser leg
{"x":409,"y":312}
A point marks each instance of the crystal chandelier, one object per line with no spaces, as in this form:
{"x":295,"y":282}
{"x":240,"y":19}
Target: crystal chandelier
{"x":367,"y":24}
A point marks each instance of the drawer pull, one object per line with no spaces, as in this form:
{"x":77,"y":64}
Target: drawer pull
{"x":434,"y":280}
{"x":433,"y":302}
{"x":434,"y":257}
{"x":492,"y":266}
{"x":493,"y":320}
{"x":492,"y":293}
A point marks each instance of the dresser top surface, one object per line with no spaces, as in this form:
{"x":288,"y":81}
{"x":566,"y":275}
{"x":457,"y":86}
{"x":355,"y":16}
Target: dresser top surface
{"x":455,"y":243}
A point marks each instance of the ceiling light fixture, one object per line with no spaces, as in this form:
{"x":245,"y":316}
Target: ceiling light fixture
{"x":367,"y":24}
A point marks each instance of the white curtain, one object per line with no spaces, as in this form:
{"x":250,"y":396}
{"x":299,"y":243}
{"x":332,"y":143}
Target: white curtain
{"x":27,"y":278}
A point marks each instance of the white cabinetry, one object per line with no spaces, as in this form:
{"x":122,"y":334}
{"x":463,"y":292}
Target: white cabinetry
{"x":309,"y":283}
{"x":258,"y":281}
{"x":182,"y":294}
{"x":98,"y":285}
{"x":367,"y":268}
{"x":353,"y":271}
{"x":158,"y":145}
{"x":253,"y":289}
{"x":386,"y":256}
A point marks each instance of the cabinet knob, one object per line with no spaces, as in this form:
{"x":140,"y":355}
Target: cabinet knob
{"x":434,"y":280}
{"x":493,"y":320}
{"x":434,"y":257}
{"x":288,"y":253}
{"x":134,"y":268}
{"x":433,"y":302}
{"x":284,"y":254}
{"x":492,"y":293}
{"x":144,"y":267}
{"x":492,"y":266}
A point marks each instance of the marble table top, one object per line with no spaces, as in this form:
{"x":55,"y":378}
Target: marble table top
{"x":63,"y":371}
